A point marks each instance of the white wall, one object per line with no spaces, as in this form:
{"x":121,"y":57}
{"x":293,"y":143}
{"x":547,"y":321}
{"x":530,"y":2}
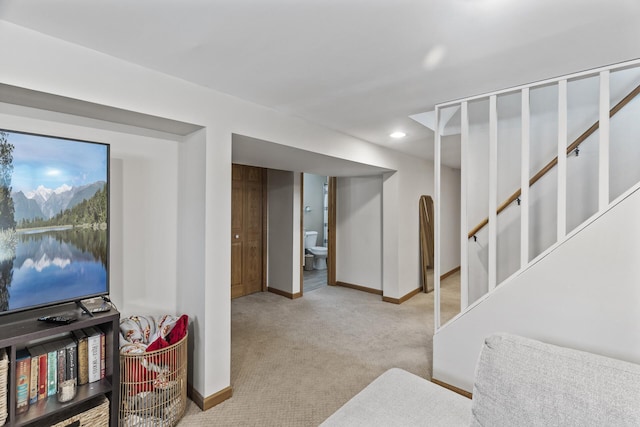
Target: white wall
{"x":583,"y":295}
{"x":412,"y":183}
{"x":280,"y":230}
{"x":359,"y":212}
{"x":450,"y":225}
{"x":359,"y":231}
{"x":152,"y":170}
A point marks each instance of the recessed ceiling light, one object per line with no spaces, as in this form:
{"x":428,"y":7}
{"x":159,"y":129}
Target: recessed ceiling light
{"x":398,"y":135}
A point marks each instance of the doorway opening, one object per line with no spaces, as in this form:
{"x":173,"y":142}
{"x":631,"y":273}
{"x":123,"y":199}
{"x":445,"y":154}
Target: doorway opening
{"x":317,"y":218}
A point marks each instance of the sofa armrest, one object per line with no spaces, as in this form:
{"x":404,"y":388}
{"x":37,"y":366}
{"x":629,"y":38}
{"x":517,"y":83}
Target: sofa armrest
{"x":399,"y":398}
{"x":524,"y":382}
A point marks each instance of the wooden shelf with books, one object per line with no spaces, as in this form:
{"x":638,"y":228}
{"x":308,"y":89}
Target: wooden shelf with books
{"x":61,"y":358}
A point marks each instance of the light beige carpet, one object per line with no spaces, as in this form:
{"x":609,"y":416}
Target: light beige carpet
{"x":294,"y":362}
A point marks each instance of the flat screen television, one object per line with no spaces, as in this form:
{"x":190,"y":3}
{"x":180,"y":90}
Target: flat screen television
{"x":54,"y":220}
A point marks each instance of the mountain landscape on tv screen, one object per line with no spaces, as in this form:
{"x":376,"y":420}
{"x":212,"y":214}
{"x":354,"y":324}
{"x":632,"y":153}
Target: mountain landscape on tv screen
{"x":45,"y":203}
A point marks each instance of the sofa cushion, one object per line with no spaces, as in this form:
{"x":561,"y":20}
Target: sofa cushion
{"x":522,"y":382}
{"x":399,"y":398}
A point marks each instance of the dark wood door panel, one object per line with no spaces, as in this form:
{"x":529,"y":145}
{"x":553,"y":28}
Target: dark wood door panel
{"x":247,"y":204}
{"x":236,"y":264}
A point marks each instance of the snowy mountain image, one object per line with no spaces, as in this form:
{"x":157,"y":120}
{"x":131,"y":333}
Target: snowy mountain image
{"x":45,"y":203}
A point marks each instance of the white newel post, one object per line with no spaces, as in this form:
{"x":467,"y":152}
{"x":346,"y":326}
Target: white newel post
{"x":464,"y":230}
{"x":603,"y":151}
{"x":524,"y":178}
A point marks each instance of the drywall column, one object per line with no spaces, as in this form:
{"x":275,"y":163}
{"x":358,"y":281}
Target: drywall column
{"x":390,"y":270}
{"x":217,"y":298}
{"x":191,"y":249}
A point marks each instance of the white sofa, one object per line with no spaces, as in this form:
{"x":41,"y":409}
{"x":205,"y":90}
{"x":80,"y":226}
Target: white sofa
{"x":519,"y":382}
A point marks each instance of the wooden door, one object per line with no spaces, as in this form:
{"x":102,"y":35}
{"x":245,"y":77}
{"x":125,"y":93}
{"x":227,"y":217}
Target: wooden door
{"x":247,"y":236}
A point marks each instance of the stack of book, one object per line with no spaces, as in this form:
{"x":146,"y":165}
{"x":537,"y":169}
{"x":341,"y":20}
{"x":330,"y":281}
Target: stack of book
{"x":79,"y":357}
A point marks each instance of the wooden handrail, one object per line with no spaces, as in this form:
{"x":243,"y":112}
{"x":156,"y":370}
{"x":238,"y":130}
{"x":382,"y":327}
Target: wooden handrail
{"x":575,"y":144}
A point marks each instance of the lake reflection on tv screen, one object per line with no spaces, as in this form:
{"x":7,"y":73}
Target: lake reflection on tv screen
{"x":57,"y":265}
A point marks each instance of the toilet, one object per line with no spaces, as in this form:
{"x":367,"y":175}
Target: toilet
{"x":319,"y":252}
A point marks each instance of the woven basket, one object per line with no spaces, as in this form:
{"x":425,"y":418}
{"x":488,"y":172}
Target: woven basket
{"x":4,"y":373}
{"x":153,"y":386}
{"x":95,"y":414}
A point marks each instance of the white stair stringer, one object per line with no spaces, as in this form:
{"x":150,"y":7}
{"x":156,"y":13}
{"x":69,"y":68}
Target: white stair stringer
{"x":583,"y":293}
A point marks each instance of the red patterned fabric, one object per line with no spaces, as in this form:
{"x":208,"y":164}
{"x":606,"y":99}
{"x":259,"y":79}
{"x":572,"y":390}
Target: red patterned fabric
{"x":135,"y":333}
{"x":176,"y":333}
{"x":179,"y":330}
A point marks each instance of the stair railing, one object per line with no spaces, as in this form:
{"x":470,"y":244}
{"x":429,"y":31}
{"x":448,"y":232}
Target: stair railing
{"x":570,"y":149}
{"x":605,"y":114}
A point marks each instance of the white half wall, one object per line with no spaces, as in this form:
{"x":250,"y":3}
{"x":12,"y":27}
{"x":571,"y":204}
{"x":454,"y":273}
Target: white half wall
{"x":584,"y":294}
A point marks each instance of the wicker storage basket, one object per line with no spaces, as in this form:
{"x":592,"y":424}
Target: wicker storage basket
{"x":95,"y":413}
{"x":4,"y":373}
{"x":153,"y":386}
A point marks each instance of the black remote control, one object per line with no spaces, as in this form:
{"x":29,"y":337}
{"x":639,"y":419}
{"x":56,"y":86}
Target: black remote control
{"x":60,"y":320}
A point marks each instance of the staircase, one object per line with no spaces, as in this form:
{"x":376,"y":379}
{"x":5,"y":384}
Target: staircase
{"x":558,"y":259}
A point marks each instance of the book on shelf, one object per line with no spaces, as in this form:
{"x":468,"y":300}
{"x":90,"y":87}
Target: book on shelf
{"x":52,"y":368}
{"x":39,"y":353}
{"x":23,"y":375}
{"x":54,"y":362}
{"x":71,"y":348}
{"x":35,"y":371}
{"x":103,"y":361}
{"x":94,"y":353}
{"x":82,"y":356}
{"x":42,"y":372}
{"x":61,"y":362}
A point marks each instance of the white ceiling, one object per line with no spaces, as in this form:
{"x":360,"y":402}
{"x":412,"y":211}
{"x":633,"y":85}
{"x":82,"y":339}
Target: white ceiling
{"x":357,"y":66}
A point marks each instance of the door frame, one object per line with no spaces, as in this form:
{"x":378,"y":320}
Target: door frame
{"x":302,"y":253}
{"x":331,"y":238}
